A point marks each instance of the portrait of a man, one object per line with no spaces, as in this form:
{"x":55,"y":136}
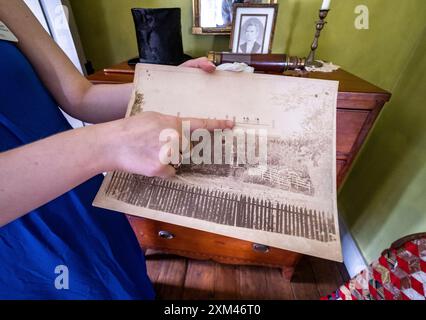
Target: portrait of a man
{"x":253,"y":28}
{"x":251,"y":36}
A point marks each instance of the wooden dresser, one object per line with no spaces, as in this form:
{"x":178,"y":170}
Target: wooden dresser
{"x":359,"y":104}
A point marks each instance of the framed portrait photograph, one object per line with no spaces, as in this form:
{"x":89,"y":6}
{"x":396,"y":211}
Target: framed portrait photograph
{"x":253,"y":28}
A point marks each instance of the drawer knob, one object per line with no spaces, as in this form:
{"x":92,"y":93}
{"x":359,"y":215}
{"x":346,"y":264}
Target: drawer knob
{"x":260,"y":248}
{"x":166,"y":235}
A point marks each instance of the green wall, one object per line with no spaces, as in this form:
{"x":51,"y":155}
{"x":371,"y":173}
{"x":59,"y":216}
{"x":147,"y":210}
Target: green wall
{"x":382,"y":197}
{"x":377,"y":54}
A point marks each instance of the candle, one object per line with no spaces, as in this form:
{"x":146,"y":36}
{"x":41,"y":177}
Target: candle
{"x":326,"y":5}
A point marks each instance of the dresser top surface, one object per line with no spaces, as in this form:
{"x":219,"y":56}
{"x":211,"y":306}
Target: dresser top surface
{"x":349,"y":83}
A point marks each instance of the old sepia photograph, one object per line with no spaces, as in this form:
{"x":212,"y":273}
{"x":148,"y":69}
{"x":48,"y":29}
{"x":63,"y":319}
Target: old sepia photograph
{"x":288,"y":202}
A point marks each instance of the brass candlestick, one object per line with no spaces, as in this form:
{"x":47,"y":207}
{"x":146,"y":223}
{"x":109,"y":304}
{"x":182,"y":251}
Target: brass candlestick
{"x":310,"y":61}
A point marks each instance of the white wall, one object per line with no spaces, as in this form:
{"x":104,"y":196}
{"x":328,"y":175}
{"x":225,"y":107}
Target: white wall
{"x":35,"y":7}
{"x":54,"y":16}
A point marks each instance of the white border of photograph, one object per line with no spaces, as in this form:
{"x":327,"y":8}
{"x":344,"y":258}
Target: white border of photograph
{"x":269,"y":12}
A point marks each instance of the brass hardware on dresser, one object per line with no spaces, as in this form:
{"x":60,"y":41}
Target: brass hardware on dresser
{"x":166,"y":235}
{"x":260,"y":248}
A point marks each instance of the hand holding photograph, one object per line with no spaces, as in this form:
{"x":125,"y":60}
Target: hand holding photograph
{"x":289,"y":202}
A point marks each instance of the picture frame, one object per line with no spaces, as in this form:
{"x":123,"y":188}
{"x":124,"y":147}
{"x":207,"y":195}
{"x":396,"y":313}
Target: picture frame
{"x":205,"y":9}
{"x":253,"y":28}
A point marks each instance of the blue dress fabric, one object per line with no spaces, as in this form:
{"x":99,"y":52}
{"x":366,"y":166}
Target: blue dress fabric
{"x":97,"y":247}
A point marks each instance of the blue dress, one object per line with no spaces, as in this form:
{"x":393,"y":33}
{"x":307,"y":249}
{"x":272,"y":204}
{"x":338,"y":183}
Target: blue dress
{"x":66,"y":249}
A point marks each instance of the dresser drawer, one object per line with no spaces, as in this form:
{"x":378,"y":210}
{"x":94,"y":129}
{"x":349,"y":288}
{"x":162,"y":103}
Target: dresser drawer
{"x":203,"y":245}
{"x":349,"y":125}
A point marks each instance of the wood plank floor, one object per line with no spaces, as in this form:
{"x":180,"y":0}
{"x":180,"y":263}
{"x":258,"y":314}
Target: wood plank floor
{"x":178,"y":278}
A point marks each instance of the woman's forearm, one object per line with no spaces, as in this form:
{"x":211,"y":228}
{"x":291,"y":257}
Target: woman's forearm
{"x":35,"y":174}
{"x":103,"y":103}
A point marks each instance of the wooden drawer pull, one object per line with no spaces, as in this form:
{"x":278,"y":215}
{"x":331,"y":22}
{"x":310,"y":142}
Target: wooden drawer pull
{"x":260,"y":248}
{"x":166,"y":235}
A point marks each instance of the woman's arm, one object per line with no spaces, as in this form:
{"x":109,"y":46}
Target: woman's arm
{"x":70,"y":89}
{"x":73,"y":92}
{"x":101,"y":103}
{"x":35,"y":174}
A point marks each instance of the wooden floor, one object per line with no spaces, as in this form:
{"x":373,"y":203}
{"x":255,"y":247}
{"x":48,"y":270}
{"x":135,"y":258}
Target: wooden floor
{"x":179,"y":278}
